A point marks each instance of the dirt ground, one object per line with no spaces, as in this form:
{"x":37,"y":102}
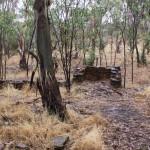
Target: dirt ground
{"x":129,"y":123}
{"x":127,"y":111}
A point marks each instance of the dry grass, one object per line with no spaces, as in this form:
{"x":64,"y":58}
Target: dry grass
{"x":76,"y":93}
{"x":14,"y":60}
{"x":20,"y":124}
{"x":91,"y":140}
{"x":13,"y":70}
{"x":144,"y":94}
{"x":142,"y":75}
{"x":10,"y":93}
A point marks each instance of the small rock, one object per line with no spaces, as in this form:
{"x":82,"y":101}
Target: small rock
{"x":115,"y":82}
{"x":22,"y":146}
{"x":9,"y":145}
{"x":2,"y":146}
{"x":60,"y":142}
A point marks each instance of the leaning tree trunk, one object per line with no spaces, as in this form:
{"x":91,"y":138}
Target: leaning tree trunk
{"x":137,"y":54}
{"x":111,"y":49}
{"x":1,"y":57}
{"x":47,"y":83}
{"x":83,"y":46}
{"x":21,"y":46}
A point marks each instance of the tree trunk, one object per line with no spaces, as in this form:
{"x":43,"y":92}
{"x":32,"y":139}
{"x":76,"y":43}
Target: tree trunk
{"x":101,"y":47}
{"x":115,"y":58}
{"x":125,"y":68}
{"x":83,"y":46}
{"x":132,"y":63}
{"x":111,"y":51}
{"x":100,"y":57}
{"x":47,"y":83}
{"x":137,"y":54}
{"x":21,"y":46}
{"x":105,"y":57}
{"x":1,"y":57}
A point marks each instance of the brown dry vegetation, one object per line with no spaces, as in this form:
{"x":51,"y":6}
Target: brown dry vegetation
{"x":141,"y":74}
{"x":25,"y":121}
{"x":29,"y":124}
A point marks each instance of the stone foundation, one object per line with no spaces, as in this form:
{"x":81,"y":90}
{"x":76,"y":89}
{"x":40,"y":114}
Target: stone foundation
{"x":90,"y":73}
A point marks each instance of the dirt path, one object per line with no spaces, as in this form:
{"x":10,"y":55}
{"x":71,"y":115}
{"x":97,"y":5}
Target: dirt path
{"x":129,"y":128}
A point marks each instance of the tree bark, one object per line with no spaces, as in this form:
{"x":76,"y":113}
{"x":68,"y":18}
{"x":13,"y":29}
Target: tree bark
{"x":1,"y":57}
{"x":47,"y":83}
{"x":21,"y":48}
{"x":111,"y":49}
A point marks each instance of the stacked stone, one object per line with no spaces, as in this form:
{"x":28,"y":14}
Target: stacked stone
{"x":115,"y":79}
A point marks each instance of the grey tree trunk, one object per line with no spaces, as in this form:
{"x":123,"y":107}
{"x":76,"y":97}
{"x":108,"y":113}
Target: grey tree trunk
{"x":21,"y":48}
{"x":1,"y":57}
{"x":47,"y":83}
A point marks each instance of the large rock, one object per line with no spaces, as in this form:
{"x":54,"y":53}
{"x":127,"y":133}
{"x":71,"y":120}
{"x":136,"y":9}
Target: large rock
{"x":115,"y":82}
{"x":2,"y":146}
{"x":59,"y":142}
{"x":21,"y":146}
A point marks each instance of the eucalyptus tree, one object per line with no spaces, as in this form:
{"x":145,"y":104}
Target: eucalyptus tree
{"x":82,"y":16}
{"x":92,"y":35}
{"x":47,"y":83}
{"x":94,"y":29}
{"x":145,"y":32}
{"x":136,"y":9}
{"x":7,"y":32}
{"x":101,"y":10}
{"x":120,"y":22}
{"x":123,"y":29}
{"x":25,"y":28}
{"x":64,"y":17}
